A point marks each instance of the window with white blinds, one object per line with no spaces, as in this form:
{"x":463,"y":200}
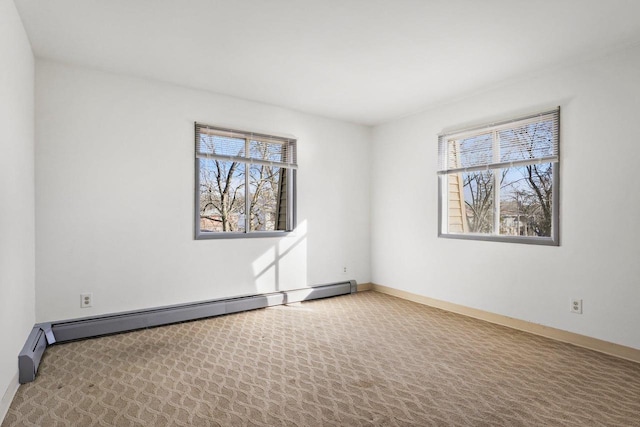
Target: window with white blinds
{"x":500,"y":181}
{"x":245,"y":183}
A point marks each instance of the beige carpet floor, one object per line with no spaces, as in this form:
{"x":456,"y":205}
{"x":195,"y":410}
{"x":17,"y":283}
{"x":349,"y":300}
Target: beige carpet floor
{"x":360,"y":360}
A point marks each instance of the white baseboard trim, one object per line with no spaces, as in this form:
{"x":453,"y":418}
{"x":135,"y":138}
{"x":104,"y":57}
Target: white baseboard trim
{"x":617,"y":350}
{"x":364,"y":287}
{"x":7,"y":398}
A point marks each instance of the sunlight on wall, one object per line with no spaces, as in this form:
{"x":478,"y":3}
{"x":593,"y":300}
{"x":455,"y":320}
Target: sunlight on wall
{"x":265,"y":271}
{"x":284,"y":265}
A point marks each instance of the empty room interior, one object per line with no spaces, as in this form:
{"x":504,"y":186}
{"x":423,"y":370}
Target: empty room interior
{"x":317,"y":213}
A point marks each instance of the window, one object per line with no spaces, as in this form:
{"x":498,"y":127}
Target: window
{"x":245,"y":183}
{"x":500,"y":181}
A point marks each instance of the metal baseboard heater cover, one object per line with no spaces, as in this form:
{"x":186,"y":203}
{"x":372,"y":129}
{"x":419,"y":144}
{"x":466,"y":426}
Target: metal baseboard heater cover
{"x":44,"y":334}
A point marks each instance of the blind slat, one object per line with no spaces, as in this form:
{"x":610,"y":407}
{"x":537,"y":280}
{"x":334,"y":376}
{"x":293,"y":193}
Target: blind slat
{"x":501,"y":165}
{"x":245,"y":160}
{"x":529,"y":140}
{"x":247,"y":147}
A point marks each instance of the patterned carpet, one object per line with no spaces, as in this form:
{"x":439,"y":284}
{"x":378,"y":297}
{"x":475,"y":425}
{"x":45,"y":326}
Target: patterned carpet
{"x":366,"y":359}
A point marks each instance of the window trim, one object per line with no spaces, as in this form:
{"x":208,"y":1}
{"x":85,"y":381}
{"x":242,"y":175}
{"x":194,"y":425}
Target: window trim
{"x":554,"y":239}
{"x":247,"y":234}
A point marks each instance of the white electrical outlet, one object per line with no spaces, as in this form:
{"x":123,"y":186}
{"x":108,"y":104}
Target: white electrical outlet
{"x":576,"y":306}
{"x":86,"y":300}
{"x":344,"y":270}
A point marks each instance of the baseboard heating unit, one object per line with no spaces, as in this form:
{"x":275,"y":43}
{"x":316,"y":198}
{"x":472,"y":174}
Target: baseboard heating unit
{"x":44,"y":334}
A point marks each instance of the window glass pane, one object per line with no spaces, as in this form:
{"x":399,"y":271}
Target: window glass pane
{"x":222,"y":203}
{"x":245,"y":183}
{"x":457,"y":219}
{"x":497,"y":181}
{"x":526,"y":200}
{"x":530,"y":141}
{"x":471,"y":202}
{"x":478,"y":200}
{"x":268,"y":197}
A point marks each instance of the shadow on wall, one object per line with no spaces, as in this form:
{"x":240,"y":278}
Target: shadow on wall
{"x":284,"y":265}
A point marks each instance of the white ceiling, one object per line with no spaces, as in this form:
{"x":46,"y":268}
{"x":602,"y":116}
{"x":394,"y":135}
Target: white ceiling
{"x":365,"y":61}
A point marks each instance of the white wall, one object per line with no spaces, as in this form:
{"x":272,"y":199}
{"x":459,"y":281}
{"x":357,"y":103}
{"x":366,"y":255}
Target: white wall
{"x":115,"y":191}
{"x":600,"y":204}
{"x":17,"y":305}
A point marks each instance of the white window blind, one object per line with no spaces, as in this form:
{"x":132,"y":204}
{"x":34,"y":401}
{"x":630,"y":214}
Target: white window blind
{"x":228,"y":144}
{"x":524,"y":141}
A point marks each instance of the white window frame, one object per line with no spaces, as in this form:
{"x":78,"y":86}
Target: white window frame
{"x":289,"y":165}
{"x":445,"y":169}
